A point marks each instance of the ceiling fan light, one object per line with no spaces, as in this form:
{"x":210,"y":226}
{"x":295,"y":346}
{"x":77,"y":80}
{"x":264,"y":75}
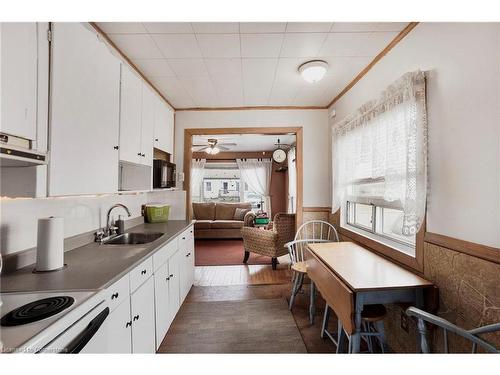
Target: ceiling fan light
{"x":313,"y":71}
{"x":208,"y":150}
{"x":215,"y":150}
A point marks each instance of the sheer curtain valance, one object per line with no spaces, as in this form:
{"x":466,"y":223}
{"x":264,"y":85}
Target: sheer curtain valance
{"x":380,"y":152}
{"x":197,"y":174}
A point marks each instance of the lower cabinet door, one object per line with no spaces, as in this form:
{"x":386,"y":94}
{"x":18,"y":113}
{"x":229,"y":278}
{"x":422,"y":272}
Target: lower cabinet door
{"x":143,"y":318}
{"x":174,"y":285}
{"x":118,"y":329}
{"x":187,"y":269}
{"x":162,"y":297}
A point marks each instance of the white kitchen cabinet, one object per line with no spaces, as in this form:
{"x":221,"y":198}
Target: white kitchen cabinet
{"x":130,"y":116}
{"x":164,"y":127}
{"x":142,"y":303}
{"x":84,"y":113}
{"x":147,"y":125}
{"x":18,"y":79}
{"x":186,"y":249}
{"x":137,"y":116}
{"x":118,"y":329}
{"x":174,"y":268}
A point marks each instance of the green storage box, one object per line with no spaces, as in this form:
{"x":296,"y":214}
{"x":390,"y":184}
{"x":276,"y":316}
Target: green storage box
{"x":261,"y":220}
{"x":156,"y":213}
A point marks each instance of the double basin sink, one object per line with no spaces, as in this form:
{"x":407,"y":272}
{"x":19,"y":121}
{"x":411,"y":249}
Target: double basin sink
{"x":133,"y":238}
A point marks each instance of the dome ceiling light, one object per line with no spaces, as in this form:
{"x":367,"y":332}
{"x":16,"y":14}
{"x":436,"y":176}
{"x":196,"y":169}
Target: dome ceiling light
{"x":313,"y":71}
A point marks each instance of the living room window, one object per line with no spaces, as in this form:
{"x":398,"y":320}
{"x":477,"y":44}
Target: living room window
{"x":380,"y":166}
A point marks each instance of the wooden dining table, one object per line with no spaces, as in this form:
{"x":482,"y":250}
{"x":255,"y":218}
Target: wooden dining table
{"x":349,"y":276}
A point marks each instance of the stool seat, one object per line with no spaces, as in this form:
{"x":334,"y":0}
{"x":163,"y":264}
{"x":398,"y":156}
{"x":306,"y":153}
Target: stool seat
{"x":373,"y":313}
{"x":299,"y":267}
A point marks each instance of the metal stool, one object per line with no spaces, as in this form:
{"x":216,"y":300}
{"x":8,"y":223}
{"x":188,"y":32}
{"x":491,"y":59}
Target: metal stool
{"x":372,"y":325}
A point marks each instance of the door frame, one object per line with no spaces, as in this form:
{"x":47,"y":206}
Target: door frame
{"x":188,"y":156}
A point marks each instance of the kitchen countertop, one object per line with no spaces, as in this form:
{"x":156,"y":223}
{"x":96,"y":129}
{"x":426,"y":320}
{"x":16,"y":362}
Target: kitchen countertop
{"x":93,"y":266}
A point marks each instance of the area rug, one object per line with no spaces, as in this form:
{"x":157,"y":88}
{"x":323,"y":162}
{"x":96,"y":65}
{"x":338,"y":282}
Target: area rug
{"x":253,"y":326}
{"x":224,"y":253}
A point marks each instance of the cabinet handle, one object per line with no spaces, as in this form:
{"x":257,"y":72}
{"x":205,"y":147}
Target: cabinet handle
{"x":156,"y":139}
{"x":136,"y":318}
{"x":128,"y":324}
{"x":167,"y":278}
{"x":172,"y":275}
{"x":188,"y":254}
{"x":139,"y":154}
{"x":114,"y":295}
{"x":116,"y":147}
{"x":143,"y":272}
{"x":143,"y":155}
{"x":183,"y":238}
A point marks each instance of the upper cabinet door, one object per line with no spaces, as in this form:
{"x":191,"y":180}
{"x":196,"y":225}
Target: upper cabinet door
{"x":130,"y":116}
{"x":164,"y":126}
{"x":84,"y":113}
{"x":147,"y":128}
{"x":18,"y":54}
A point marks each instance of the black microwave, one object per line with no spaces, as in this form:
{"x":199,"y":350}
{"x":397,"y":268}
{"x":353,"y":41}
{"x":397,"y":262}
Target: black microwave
{"x":163,"y":174}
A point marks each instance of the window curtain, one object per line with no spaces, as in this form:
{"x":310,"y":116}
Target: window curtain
{"x":257,"y":175}
{"x":379,"y":153}
{"x":197,"y":174}
{"x":292,"y":182}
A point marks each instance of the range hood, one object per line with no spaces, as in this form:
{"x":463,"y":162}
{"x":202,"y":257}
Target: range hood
{"x":17,"y":152}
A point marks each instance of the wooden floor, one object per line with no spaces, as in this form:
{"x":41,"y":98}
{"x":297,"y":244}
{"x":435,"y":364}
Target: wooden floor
{"x":246,"y":283}
{"x":242,"y":275}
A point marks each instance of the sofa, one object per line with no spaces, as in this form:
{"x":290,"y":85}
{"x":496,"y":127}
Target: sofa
{"x":217,"y":220}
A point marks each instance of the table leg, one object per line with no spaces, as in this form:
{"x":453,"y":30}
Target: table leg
{"x":356,"y":336}
{"x":312,"y":303}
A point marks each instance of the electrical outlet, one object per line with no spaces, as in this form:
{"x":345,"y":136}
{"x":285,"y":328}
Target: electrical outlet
{"x":404,"y":321}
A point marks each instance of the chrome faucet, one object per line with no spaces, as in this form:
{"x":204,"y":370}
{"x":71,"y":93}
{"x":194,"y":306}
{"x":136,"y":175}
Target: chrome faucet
{"x":110,"y":230}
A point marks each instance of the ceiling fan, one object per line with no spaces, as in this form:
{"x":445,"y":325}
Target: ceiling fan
{"x":213,"y":146}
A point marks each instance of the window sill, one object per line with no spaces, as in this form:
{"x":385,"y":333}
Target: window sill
{"x":411,"y":262}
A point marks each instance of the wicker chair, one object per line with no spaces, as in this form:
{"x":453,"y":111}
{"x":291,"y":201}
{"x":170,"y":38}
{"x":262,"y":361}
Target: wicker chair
{"x":272,"y":242}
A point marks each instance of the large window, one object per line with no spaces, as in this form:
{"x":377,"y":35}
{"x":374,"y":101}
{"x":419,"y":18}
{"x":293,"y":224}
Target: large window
{"x":380,"y":166}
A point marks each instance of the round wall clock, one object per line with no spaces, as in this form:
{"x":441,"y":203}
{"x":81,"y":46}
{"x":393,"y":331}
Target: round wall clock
{"x":279,"y":155}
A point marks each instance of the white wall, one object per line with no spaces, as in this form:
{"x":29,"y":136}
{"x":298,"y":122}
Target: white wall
{"x":317,"y":181}
{"x":462,"y":61}
{"x":19,"y":217}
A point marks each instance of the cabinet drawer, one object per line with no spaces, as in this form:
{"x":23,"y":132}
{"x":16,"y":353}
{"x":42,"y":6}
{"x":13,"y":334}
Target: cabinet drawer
{"x":186,"y":237}
{"x":140,"y":274}
{"x":162,"y":255}
{"x":118,"y":292}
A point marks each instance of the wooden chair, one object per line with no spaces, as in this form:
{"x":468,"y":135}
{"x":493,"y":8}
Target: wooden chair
{"x":313,"y":231}
{"x":471,"y":335}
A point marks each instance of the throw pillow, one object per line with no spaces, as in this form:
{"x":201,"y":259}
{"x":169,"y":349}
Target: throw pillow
{"x":239,"y":214}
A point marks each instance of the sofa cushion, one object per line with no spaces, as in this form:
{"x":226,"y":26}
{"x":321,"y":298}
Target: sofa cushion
{"x":225,"y":211}
{"x":202,"y":224}
{"x":239,"y":213}
{"x":204,"y":211}
{"x":226,"y":224}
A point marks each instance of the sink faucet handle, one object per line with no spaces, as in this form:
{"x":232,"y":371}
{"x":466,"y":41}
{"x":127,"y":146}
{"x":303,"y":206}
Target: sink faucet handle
{"x":99,"y":235}
{"x":112,"y":230}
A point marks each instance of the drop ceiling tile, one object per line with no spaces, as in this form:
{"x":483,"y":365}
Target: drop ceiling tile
{"x":173,"y":90}
{"x":283,"y":95}
{"x":287,"y":71}
{"x":122,"y":27}
{"x":391,"y":26}
{"x":353,"y":27}
{"x":168,"y":27}
{"x":137,"y":46}
{"x":215,"y":27}
{"x":177,"y":45}
{"x":302,"y":44}
{"x":154,"y":67}
{"x":261,"y":45}
{"x":346,"y":44}
{"x":219,"y":45}
{"x":188,"y":67}
{"x":257,"y":70}
{"x":224,"y":67}
{"x":308,"y":27}
{"x":378,"y":41}
{"x":200,"y":89}
{"x":262,"y":27}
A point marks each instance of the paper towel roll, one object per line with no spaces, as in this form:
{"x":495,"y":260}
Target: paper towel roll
{"x":50,"y":244}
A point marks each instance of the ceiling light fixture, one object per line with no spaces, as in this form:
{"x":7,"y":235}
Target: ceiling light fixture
{"x":212,"y":150}
{"x":313,"y":71}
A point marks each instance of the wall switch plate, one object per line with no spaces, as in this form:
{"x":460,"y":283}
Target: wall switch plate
{"x":404,"y":321}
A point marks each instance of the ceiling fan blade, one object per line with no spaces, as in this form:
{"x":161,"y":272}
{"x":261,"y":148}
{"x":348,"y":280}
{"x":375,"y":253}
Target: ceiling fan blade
{"x":203,"y":145}
{"x":203,"y":148}
{"x":222,"y":148}
{"x":227,"y":144}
